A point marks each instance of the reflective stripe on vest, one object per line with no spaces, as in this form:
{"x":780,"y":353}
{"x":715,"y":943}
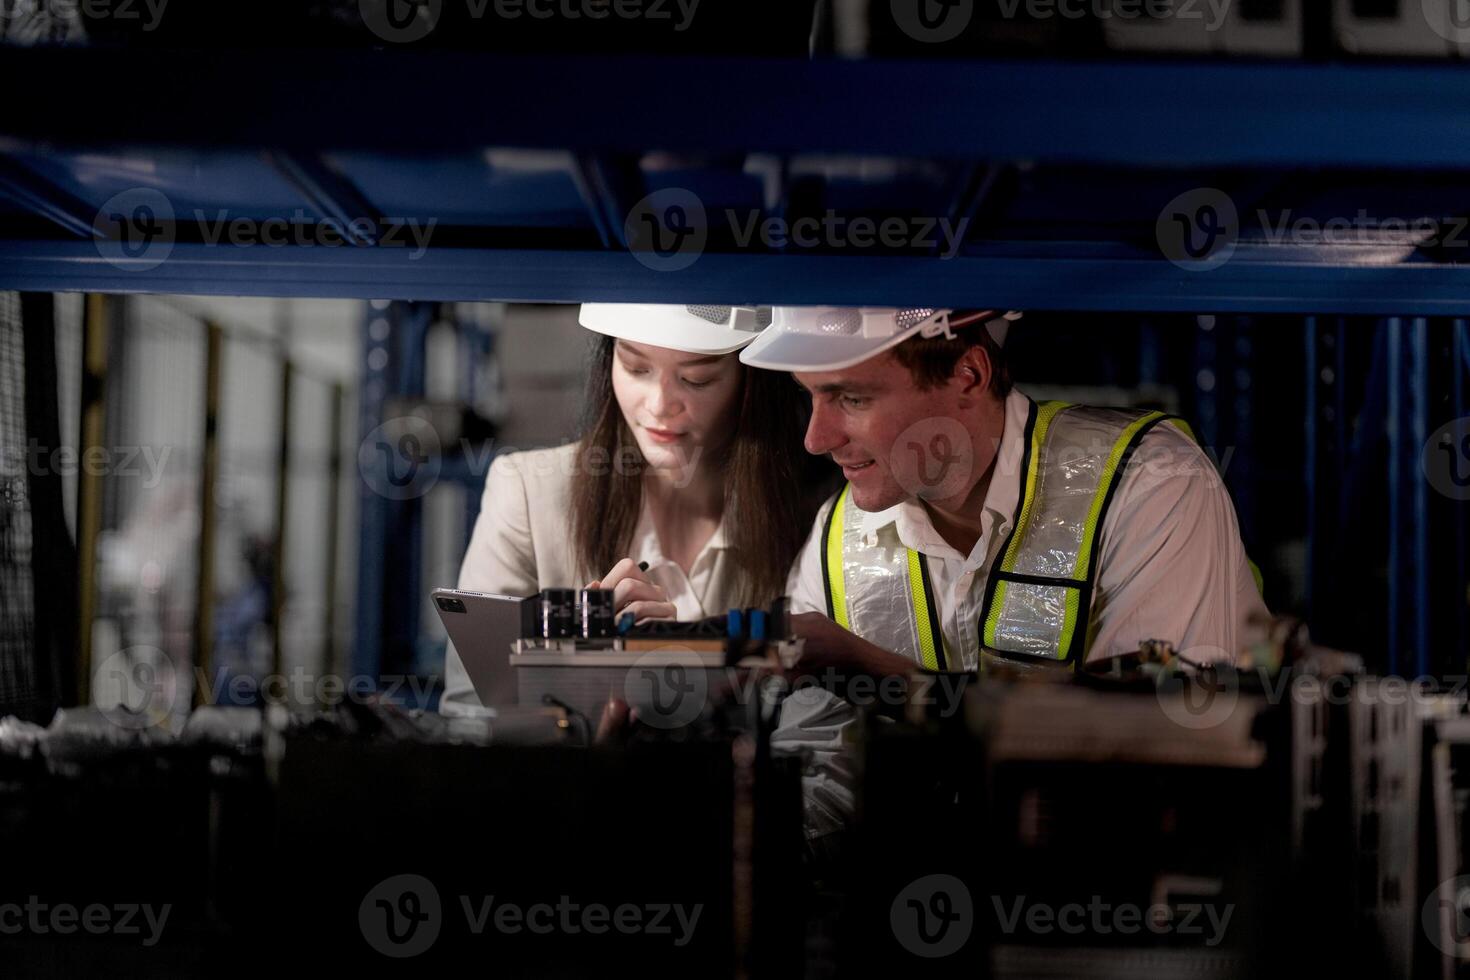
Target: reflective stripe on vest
{"x":1039,"y":594}
{"x":895,"y":606}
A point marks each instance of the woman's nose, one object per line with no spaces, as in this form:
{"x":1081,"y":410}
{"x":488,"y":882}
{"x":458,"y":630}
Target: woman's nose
{"x":663,"y":400}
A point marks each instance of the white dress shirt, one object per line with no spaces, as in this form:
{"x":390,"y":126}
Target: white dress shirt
{"x":522,"y":544}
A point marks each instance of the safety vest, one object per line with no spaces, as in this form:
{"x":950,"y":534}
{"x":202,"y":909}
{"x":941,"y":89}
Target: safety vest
{"x":1038,"y":595}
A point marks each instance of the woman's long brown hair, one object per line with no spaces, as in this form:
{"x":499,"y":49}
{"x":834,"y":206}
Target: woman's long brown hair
{"x":772,"y":486}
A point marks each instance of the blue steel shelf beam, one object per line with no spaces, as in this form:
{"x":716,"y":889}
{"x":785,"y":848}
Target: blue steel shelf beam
{"x":1164,"y":112}
{"x":976,"y":189}
{"x":332,"y":195}
{"x":1020,"y":275}
{"x":35,"y":194}
{"x":607,"y":189}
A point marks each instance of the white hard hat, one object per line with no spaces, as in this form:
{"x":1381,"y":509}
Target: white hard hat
{"x":829,"y":338}
{"x":695,"y":329}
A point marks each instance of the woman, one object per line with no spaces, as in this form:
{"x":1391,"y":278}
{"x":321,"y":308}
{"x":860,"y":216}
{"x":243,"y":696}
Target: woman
{"x":688,"y":461}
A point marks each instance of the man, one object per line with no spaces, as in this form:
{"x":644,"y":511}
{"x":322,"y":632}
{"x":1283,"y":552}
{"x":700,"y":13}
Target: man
{"x":980,"y":528}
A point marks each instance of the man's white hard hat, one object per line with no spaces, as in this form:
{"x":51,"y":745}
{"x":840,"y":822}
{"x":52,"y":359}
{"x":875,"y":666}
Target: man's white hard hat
{"x":694,"y":329}
{"x":830,"y":338}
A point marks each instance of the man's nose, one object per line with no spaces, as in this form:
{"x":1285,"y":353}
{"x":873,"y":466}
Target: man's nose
{"x":822,"y":435}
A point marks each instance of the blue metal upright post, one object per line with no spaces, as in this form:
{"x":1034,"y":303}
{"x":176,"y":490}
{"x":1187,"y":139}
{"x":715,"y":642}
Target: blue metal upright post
{"x":1460,"y":356}
{"x":1238,"y":384}
{"x":1419,"y":388}
{"x":1207,"y":381}
{"x":1394,"y":328}
{"x":367,"y":646}
{"x":1148,"y":354}
{"x":405,"y":543}
{"x":1309,"y":470}
{"x":1348,"y":452}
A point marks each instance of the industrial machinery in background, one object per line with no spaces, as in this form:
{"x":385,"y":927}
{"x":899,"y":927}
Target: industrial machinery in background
{"x":280,"y":837}
{"x":279,"y":834}
{"x":1146,"y":817}
{"x":1154,"y":820}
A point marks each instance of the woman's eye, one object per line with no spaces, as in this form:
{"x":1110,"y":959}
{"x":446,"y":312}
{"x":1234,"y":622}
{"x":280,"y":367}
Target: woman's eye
{"x":697,"y":384}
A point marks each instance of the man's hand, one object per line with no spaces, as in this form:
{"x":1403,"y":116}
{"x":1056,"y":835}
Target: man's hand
{"x":828,"y":646}
{"x":616,"y":722}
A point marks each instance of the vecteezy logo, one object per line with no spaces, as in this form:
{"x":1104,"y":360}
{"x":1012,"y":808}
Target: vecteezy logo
{"x":933,"y":458}
{"x":1446,"y":917}
{"x":136,"y":688}
{"x":400,"y":459}
{"x":1450,"y":19}
{"x":667,"y":230}
{"x":933,"y":916}
{"x":400,"y":916}
{"x":1203,"y":700}
{"x":401,"y":21}
{"x":666,"y":694}
{"x":1446,"y":459}
{"x":932,"y":21}
{"x":134,"y":229}
{"x":1199,"y":229}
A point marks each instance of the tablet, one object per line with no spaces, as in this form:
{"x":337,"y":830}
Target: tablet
{"x":483,"y":627}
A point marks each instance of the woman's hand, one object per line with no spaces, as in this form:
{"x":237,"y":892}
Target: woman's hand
{"x":633,"y":592}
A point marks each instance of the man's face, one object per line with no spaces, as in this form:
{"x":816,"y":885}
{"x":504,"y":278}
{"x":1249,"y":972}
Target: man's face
{"x":894,"y":441}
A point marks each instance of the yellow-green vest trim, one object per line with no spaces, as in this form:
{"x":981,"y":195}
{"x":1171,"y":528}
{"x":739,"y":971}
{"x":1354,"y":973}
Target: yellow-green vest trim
{"x":1038,"y":595}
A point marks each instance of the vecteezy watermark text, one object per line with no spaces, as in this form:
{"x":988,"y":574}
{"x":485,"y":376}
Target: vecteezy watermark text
{"x":139,"y":687}
{"x":39,"y":918}
{"x":668,"y":229}
{"x":938,"y":21}
{"x":407,"y":21}
{"x":1101,"y":918}
{"x":137,"y":230}
{"x":148,"y":12}
{"x":1202,"y":228}
{"x":402,"y":916}
{"x":569,"y":918}
{"x":402,"y":459}
{"x":115,"y":461}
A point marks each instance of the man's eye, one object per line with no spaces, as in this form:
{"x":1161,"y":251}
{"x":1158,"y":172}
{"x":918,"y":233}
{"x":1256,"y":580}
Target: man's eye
{"x":854,"y":401}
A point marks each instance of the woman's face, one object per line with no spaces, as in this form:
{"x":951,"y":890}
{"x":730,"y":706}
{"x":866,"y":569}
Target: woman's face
{"x":680,"y":406}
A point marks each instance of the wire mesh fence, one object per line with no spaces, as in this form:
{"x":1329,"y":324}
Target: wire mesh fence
{"x":217,"y":475}
{"x":17,"y":597}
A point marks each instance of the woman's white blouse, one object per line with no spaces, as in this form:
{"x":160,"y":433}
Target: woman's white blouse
{"x":521,"y":544}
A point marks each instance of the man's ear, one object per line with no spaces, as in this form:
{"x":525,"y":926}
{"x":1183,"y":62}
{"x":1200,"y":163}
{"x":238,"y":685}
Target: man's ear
{"x":973,"y":371}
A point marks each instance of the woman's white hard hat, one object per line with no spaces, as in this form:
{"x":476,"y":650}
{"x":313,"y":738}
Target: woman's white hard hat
{"x":830,"y":338}
{"x":693,"y":329}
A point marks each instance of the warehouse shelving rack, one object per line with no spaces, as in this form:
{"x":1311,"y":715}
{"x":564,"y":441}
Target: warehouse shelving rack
{"x":531,"y":186}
